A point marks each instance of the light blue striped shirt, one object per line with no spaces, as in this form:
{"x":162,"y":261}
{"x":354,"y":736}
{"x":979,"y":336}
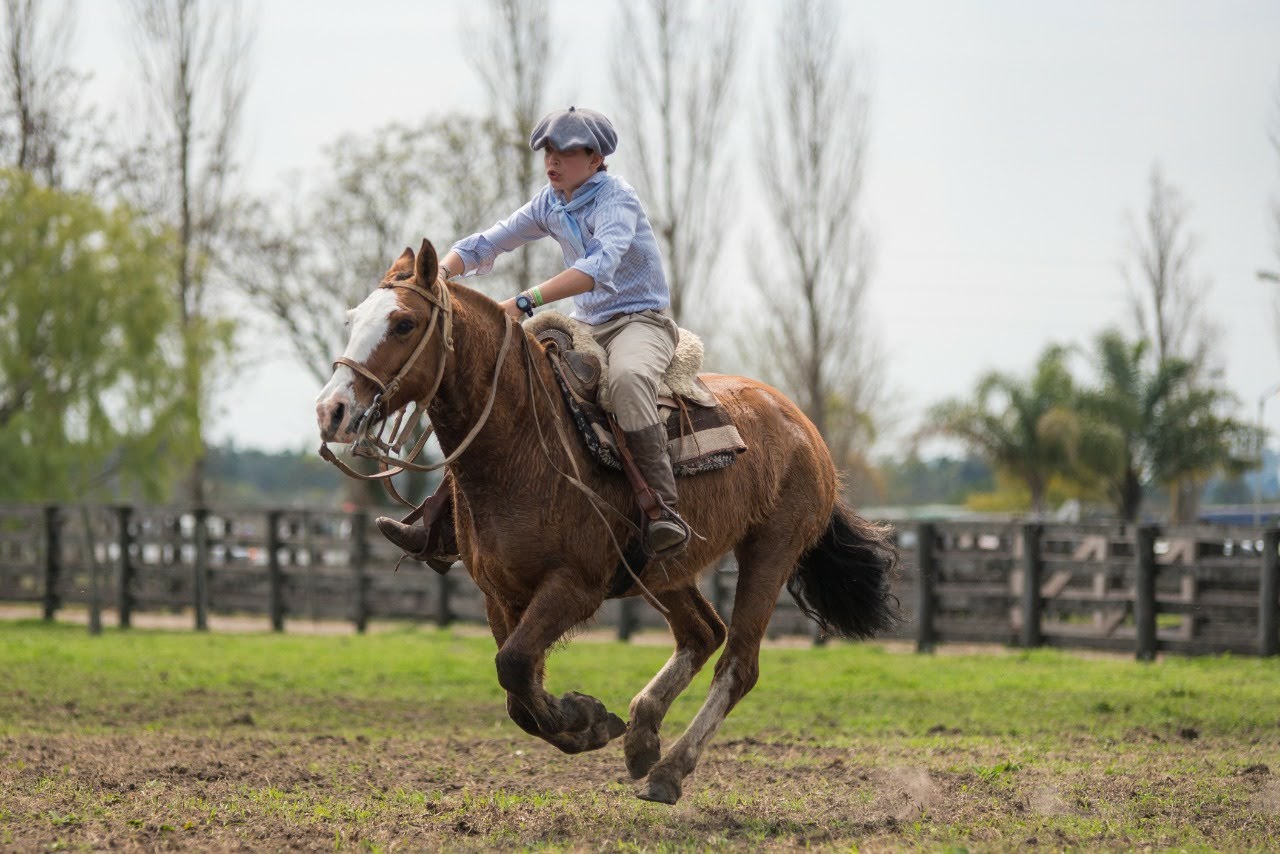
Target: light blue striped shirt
{"x":620,"y":250}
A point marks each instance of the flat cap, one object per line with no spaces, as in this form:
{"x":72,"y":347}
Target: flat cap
{"x":574,"y":128}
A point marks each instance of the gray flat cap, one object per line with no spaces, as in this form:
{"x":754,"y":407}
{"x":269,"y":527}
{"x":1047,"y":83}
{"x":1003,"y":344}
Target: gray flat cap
{"x":574,"y":128}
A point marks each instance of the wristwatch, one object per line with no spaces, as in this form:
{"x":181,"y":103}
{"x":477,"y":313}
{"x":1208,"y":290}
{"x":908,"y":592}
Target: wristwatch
{"x":524,"y":302}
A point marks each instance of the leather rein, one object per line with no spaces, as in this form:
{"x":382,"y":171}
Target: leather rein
{"x":374,"y":446}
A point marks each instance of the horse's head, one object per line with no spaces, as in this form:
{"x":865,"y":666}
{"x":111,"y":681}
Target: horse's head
{"x":400,"y":336}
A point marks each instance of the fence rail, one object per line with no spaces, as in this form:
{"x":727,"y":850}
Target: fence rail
{"x":1124,"y":588}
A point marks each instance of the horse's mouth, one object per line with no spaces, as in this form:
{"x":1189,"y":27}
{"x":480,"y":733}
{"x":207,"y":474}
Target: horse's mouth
{"x":339,"y":421}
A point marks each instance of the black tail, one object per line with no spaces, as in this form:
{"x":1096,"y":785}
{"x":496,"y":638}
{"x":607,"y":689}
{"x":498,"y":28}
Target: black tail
{"x":843,"y":581}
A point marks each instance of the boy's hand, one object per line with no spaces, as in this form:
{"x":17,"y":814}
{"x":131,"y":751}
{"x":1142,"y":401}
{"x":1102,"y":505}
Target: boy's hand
{"x":509,"y":306}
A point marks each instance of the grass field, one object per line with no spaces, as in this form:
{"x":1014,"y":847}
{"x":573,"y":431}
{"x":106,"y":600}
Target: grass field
{"x":398,"y":740}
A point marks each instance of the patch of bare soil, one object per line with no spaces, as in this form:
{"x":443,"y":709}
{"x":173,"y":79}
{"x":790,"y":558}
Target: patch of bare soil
{"x":239,"y":789}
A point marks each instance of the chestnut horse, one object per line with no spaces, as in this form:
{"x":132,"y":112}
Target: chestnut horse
{"x":544,"y":556}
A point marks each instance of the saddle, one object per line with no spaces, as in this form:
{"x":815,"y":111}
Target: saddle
{"x":701,"y":436}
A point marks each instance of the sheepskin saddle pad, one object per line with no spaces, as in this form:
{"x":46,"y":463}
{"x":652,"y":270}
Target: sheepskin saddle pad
{"x":700,"y":435}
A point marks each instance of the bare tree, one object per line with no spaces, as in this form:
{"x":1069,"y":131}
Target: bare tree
{"x":306,"y":265}
{"x":1167,"y":303}
{"x":811,"y":148}
{"x":673,"y":73}
{"x":1268,"y":276}
{"x":195,"y":63}
{"x":37,"y":87}
{"x":1165,"y":294}
{"x":513,"y":61}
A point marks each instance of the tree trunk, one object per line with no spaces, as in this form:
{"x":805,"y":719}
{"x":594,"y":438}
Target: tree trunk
{"x":1130,"y":496}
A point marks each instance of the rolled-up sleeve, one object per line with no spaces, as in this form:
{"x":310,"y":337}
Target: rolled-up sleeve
{"x":615,"y":228}
{"x":525,"y":225}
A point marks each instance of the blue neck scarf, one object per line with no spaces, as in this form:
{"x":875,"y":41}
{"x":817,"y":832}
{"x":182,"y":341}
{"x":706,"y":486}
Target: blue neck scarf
{"x":564,"y":211}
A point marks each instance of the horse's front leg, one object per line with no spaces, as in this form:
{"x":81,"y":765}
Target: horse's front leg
{"x":574,"y":722}
{"x":698,"y":632}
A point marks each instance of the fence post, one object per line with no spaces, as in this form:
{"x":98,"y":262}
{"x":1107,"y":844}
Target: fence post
{"x":200,"y":569}
{"x":359,"y":559}
{"x":275,"y":578}
{"x":1144,"y":600}
{"x":124,"y":567}
{"x":626,"y":618}
{"x":1268,"y":622}
{"x":1032,"y":570}
{"x":926,"y":539}
{"x":52,"y":560}
{"x":444,"y":607}
{"x":721,"y":591}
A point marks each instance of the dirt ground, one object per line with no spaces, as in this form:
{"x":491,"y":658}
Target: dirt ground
{"x":238,"y":790}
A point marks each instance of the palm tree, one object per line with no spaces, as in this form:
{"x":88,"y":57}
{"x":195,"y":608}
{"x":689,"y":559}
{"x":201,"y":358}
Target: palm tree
{"x":1149,"y":422}
{"x":1022,"y":427}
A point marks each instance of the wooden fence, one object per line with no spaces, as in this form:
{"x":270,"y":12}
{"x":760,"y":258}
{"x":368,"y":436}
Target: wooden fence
{"x":1115,"y":587}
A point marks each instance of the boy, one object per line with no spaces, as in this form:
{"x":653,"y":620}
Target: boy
{"x":614,"y":274}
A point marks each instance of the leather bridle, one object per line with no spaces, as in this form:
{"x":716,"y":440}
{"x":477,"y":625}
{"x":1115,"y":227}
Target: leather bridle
{"x":374,"y":446}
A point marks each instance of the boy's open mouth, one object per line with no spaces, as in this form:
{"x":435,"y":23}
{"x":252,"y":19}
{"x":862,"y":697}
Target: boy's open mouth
{"x":553,"y":176}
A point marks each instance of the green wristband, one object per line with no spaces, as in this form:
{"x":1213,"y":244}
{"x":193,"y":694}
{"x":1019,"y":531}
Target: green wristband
{"x":536,"y":292}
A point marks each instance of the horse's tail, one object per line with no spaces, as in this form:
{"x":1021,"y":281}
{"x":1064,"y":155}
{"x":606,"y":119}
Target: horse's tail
{"x":843,"y":581}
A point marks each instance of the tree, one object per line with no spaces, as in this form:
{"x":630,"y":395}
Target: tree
{"x":513,"y":61}
{"x":37,"y":87}
{"x":1165,"y":294}
{"x":90,"y":394}
{"x":1273,"y":134}
{"x":195,"y":61}
{"x":673,"y":74}
{"x":307,"y":265}
{"x":1166,"y":298}
{"x":1022,"y":427}
{"x":1125,"y":417}
{"x":812,"y":337}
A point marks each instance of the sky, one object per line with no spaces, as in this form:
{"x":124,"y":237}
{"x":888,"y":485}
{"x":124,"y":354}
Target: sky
{"x":1011,"y":143}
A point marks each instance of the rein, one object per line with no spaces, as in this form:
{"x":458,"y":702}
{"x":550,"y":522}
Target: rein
{"x":374,"y":447}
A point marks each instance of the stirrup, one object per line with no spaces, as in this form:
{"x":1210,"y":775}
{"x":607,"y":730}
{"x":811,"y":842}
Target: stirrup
{"x":668,"y":515}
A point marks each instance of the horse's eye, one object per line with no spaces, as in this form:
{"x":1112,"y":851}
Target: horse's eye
{"x":404,"y":327}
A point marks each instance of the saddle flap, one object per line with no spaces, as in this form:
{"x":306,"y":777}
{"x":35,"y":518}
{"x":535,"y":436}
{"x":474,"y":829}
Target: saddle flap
{"x":581,"y":370}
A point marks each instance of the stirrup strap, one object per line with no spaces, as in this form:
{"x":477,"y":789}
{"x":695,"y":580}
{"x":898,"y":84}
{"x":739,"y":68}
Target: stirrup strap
{"x":650,"y":503}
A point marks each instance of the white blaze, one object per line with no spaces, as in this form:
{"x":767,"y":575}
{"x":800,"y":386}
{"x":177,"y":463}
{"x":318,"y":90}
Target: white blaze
{"x":369,"y":324}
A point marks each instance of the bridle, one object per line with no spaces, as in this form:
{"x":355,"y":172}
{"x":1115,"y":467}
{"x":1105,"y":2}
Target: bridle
{"x":375,"y":446}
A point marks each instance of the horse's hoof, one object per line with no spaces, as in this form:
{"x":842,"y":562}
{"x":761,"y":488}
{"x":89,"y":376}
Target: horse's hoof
{"x":582,"y":712}
{"x":660,"y":792}
{"x":642,"y":751}
{"x":616,"y":726}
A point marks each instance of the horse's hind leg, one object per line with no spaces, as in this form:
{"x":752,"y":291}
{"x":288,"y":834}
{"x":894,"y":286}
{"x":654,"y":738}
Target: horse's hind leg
{"x":764,"y":564}
{"x":575,"y":722}
{"x":698,"y":631}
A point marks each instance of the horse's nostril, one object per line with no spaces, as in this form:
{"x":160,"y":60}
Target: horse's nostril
{"x":335,"y":418}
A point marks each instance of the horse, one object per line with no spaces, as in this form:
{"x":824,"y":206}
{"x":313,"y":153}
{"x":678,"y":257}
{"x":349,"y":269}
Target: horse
{"x":532,"y":535}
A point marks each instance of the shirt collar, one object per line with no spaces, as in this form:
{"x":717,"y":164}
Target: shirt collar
{"x":594,"y":179}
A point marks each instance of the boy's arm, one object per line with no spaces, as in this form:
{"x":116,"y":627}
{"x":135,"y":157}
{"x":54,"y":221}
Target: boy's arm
{"x":474,"y":255}
{"x":566,"y":283}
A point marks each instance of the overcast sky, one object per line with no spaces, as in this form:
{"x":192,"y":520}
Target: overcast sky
{"x":1010,"y":142}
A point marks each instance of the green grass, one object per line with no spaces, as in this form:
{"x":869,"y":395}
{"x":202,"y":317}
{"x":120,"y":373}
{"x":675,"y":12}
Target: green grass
{"x":66,"y":681}
{"x":400,"y":739}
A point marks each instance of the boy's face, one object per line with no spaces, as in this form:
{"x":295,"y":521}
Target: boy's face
{"x":568,"y":170}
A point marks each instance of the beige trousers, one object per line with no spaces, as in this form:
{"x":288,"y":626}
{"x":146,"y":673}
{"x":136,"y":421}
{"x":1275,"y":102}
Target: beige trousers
{"x":640,"y":347}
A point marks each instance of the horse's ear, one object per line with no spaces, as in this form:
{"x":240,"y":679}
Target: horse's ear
{"x":427,"y":267}
{"x":403,"y":267}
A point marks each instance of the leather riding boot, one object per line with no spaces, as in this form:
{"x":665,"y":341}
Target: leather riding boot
{"x":666,"y":536}
{"x":412,"y":539}
{"x":433,"y":541}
